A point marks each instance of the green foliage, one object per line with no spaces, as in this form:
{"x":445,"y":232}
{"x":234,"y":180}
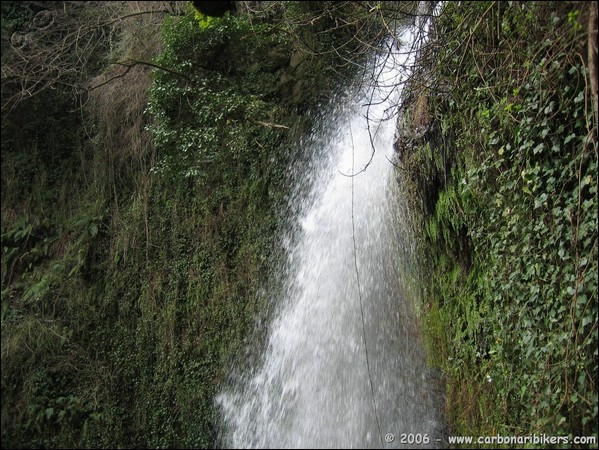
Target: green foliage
{"x":216,"y":182}
{"x":203,"y":20}
{"x":212,"y":123}
{"x":137,"y":233}
{"x":522,"y":200}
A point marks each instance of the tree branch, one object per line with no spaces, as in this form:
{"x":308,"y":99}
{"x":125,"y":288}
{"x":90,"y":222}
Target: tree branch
{"x":132,"y":63}
{"x":270,"y":124}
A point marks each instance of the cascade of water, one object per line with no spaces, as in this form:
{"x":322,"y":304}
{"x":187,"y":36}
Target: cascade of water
{"x":312,"y":388}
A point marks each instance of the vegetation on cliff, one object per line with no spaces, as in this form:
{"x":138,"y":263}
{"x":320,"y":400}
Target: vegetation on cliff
{"x":502,"y":155}
{"x":144,"y":156}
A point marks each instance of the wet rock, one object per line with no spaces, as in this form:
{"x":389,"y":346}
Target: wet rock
{"x":278,"y":59}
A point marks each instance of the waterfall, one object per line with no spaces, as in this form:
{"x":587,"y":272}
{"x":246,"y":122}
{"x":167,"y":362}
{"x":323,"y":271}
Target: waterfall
{"x":344,"y":364}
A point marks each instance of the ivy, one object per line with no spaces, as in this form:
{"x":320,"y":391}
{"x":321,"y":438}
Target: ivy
{"x":523,"y":187}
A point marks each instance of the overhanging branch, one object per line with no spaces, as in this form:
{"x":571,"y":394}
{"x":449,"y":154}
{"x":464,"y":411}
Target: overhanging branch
{"x":131,"y":63}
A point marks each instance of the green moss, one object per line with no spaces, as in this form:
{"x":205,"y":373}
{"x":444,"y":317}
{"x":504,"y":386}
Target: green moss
{"x":137,"y":232}
{"x":520,"y":201}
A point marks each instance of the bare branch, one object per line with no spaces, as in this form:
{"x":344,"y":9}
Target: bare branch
{"x":64,"y":46}
{"x":270,"y":124}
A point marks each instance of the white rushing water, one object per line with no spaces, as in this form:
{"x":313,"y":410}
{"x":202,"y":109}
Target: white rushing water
{"x":335,"y":324}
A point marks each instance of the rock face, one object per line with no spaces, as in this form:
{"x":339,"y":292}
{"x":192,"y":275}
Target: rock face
{"x":214,"y":9}
{"x":413,"y":125}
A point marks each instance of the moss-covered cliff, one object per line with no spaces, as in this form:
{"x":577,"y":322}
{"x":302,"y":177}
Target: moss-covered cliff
{"x":501,"y":149}
{"x":141,"y":190}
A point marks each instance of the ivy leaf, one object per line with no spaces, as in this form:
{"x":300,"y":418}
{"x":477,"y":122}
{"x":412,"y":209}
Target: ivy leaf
{"x":586,"y":320}
{"x":541,"y":200}
{"x":538,"y":149}
{"x":569,"y":138}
